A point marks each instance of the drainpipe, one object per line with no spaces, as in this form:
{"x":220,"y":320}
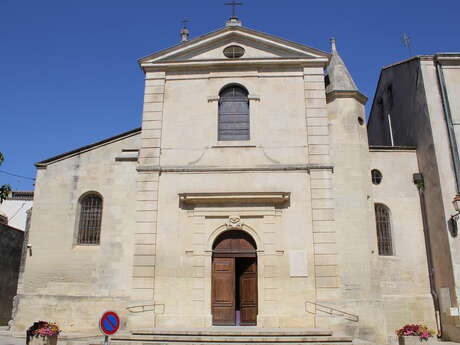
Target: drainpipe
{"x":419,"y":182}
{"x":450,"y":125}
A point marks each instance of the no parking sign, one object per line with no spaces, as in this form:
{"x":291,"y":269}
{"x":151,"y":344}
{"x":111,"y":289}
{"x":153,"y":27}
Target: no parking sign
{"x":109,"y":324}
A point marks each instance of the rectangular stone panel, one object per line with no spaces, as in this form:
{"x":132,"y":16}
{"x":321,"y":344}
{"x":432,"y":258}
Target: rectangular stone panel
{"x":321,"y":193}
{"x":315,"y":102}
{"x":323,"y":130}
{"x":152,"y":116}
{"x":144,"y":271}
{"x":315,"y":94}
{"x":143,"y":283}
{"x":144,"y":186}
{"x":149,"y":161}
{"x":153,"y":106}
{"x":146,"y":205}
{"x":146,"y":216}
{"x":324,"y":237}
{"x":147,"y":176}
{"x":317,"y":121}
{"x":144,"y":260}
{"x":197,"y":271}
{"x":154,"y":89}
{"x":323,"y":214}
{"x":327,"y":282}
{"x":154,"y":81}
{"x":147,"y":195}
{"x":155,"y":75}
{"x":316,"y":112}
{"x":151,"y":133}
{"x":313,"y":71}
{"x":145,"y":228}
{"x":314,"y":85}
{"x":325,"y":259}
{"x":320,"y":183}
{"x":314,"y":77}
{"x":320,"y":174}
{"x":322,"y":203}
{"x":324,"y":226}
{"x":326,"y":271}
{"x":152,"y":124}
{"x":318,"y":139}
{"x":153,"y":98}
{"x":142,"y":294}
{"x":325,"y":248}
{"x":144,"y":238}
{"x":144,"y":249}
{"x":319,"y":159}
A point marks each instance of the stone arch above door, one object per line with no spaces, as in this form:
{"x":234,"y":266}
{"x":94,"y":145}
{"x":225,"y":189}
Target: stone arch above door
{"x":242,"y":227}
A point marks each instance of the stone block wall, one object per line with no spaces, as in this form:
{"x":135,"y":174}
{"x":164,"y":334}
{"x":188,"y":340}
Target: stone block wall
{"x":11,"y":241}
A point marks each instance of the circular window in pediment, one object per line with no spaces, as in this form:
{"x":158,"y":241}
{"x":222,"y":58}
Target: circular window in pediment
{"x":234,"y":52}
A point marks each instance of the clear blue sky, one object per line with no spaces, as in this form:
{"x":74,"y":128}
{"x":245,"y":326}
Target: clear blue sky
{"x":69,"y":76}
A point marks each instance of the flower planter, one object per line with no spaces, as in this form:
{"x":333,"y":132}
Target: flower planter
{"x":415,"y":340}
{"x":43,"y":340}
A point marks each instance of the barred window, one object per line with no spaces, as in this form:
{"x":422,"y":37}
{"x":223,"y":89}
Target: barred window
{"x":383,"y":221}
{"x":233,"y":113}
{"x":89,"y":225}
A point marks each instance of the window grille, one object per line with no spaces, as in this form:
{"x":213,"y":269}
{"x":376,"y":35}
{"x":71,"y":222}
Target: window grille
{"x":233,"y":114}
{"x":383,"y":221}
{"x":376,"y":176}
{"x":234,"y":52}
{"x":89,"y":227}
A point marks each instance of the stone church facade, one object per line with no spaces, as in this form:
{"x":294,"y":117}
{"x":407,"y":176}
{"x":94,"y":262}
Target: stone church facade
{"x":244,"y":199}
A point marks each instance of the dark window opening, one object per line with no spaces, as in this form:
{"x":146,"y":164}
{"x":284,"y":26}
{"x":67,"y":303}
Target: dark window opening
{"x":234,"y":52}
{"x":383,"y":223}
{"x":89,"y":226}
{"x":377,"y":176}
{"x":233,"y":122}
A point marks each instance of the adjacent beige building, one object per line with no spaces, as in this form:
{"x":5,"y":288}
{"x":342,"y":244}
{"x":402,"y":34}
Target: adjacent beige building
{"x":246,"y":198}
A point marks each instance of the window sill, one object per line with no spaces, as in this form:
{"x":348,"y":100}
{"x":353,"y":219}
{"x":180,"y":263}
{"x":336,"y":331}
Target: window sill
{"x":86,"y":246}
{"x":233,"y":144}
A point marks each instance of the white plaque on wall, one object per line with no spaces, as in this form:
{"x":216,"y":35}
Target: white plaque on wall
{"x":298,"y":263}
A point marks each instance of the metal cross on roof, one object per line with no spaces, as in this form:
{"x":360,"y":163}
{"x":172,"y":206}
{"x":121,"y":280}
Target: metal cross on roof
{"x":185,"y":21}
{"x":234,"y":4}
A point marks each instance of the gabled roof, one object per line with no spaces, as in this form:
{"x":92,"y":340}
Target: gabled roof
{"x":298,"y":50}
{"x":89,"y":147}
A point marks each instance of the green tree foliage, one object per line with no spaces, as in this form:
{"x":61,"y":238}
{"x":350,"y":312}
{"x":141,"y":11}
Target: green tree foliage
{"x":5,"y":190}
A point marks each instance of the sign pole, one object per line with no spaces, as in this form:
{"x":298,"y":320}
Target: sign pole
{"x":106,"y":340}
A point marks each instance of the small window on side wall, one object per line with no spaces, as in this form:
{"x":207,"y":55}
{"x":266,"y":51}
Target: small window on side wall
{"x":233,"y":121}
{"x":383,"y":223}
{"x":90,"y":216}
{"x":377,"y":176}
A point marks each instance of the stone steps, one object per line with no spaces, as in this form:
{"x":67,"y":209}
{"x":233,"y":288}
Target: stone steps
{"x":233,"y":336}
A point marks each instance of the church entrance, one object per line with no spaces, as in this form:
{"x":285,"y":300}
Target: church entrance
{"x":234,"y":280}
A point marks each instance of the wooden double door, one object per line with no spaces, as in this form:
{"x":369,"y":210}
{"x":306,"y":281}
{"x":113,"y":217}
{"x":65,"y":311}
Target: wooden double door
{"x":234,"y":291}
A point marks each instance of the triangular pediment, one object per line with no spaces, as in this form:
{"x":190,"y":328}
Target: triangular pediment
{"x":256,"y":45}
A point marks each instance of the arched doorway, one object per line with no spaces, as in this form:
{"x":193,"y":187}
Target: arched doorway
{"x":234,"y":279}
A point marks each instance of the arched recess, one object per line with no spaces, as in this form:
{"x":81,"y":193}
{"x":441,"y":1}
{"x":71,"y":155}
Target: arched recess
{"x":244,"y":227}
{"x":234,"y":297}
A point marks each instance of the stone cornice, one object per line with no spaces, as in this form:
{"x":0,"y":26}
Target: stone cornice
{"x":240,"y":198}
{"x":167,"y":65}
{"x":217,"y":169}
{"x":332,"y":95}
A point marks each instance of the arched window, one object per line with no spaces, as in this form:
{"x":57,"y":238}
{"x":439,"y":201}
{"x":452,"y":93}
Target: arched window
{"x":89,"y":224}
{"x":233,"y":113}
{"x":383,"y":222}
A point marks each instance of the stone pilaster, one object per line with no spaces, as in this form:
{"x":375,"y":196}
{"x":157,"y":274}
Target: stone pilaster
{"x":322,"y":198}
{"x":147,"y":184}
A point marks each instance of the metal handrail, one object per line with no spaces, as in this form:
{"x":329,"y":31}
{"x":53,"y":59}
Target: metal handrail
{"x":145,"y":308}
{"x":330,"y":311}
